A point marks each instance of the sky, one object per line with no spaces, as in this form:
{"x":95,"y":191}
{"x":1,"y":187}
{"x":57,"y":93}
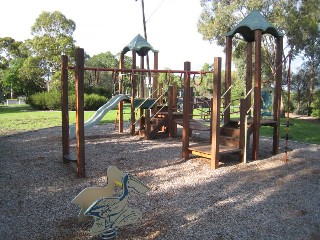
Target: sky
{"x":109,"y":25}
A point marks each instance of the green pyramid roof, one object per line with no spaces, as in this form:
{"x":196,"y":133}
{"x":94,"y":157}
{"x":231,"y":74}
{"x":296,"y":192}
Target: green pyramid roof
{"x":254,"y":21}
{"x":139,"y":44}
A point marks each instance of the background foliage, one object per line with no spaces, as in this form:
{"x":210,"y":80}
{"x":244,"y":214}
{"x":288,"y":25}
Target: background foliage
{"x":32,"y":66}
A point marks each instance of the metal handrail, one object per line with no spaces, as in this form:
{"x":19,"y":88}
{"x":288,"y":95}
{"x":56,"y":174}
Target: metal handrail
{"x":150,"y":105}
{"x":157,"y":99}
{"x":138,"y":119}
{"x":148,"y":98}
{"x":237,"y":99}
{"x":249,"y":93}
{"x":225,"y":109}
{"x":222,"y":96}
{"x":158,"y":111}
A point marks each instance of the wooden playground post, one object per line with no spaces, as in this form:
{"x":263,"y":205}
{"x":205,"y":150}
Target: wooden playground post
{"x":249,"y":73}
{"x":186,"y":111}
{"x":155,"y":76}
{"x":141,"y":83}
{"x":64,"y":109}
{"x":191,"y":101}
{"x":155,"y":84}
{"x":79,"y":78}
{"x":147,"y":124}
{"x":170,"y":111}
{"x":133,"y":92}
{"x":243,"y":129}
{"x":277,"y":97}
{"x":120,"y":105}
{"x":227,"y":97}
{"x":257,"y":95}
{"x":175,"y":104}
{"x":215,"y":114}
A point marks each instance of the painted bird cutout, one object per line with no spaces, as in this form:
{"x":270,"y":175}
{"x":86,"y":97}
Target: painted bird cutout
{"x":109,"y":212}
{"x":89,"y":195}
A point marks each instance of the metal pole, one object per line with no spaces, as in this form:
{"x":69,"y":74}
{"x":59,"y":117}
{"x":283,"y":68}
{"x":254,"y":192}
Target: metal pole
{"x":145,"y":35}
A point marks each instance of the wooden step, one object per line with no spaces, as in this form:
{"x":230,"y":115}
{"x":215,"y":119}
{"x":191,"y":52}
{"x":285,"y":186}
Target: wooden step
{"x":158,"y":128}
{"x":204,"y":150}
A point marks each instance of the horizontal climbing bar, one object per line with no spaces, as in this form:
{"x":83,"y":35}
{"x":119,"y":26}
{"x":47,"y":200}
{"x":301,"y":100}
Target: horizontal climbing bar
{"x":139,"y":70}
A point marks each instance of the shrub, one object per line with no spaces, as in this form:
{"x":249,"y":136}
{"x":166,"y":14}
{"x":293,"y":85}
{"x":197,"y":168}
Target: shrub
{"x":93,"y":101}
{"x":52,"y":101}
{"x":316,"y":105}
{"x":38,"y":100}
{"x":72,"y":102}
{"x":102,"y":91}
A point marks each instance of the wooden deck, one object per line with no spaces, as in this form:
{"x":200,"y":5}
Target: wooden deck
{"x":263,"y":122}
{"x":204,"y":150}
{"x":194,"y":125}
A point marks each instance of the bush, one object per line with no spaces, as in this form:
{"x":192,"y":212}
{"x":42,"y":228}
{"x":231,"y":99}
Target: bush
{"x":38,"y":100}
{"x":102,"y":91}
{"x":52,"y":101}
{"x":93,"y":101}
{"x":316,"y":105}
{"x":72,"y":102}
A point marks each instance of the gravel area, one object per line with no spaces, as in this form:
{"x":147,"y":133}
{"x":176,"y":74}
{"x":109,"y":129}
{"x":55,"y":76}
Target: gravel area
{"x":264,"y":199}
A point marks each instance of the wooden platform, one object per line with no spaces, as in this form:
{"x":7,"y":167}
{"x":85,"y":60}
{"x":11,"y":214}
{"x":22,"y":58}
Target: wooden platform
{"x":194,"y":125}
{"x":204,"y":150}
{"x":263,"y":122}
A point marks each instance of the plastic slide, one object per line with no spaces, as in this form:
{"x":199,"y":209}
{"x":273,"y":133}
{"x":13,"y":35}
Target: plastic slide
{"x":99,"y":114}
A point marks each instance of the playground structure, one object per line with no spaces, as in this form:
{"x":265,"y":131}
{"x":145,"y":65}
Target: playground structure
{"x":233,"y":136}
{"x":155,"y":116}
{"x":151,"y":113}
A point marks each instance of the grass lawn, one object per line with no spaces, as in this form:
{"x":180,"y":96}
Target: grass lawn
{"x":15,"y":118}
{"x":302,"y":130}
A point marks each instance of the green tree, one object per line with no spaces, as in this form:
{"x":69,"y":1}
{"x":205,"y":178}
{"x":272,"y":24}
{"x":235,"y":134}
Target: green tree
{"x":316,"y":105}
{"x":300,"y":90}
{"x":11,"y":59}
{"x":297,"y":19}
{"x":205,"y":89}
{"x":305,"y":29}
{"x":101,"y":82}
{"x":52,"y":36}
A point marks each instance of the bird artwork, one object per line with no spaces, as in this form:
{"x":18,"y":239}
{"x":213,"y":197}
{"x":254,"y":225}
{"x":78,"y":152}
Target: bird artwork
{"x":110,"y":212}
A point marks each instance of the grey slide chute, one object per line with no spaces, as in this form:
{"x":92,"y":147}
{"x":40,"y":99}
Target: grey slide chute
{"x":99,"y":114}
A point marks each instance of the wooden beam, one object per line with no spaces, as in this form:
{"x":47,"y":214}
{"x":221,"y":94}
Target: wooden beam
{"x":277,"y":95}
{"x":170,"y":112}
{"x":215,"y":114}
{"x":186,"y":111}
{"x":227,"y":97}
{"x":64,"y":109}
{"x":79,"y":78}
{"x":147,"y":129}
{"x":257,"y":95}
{"x":155,"y":77}
{"x":120,"y":105}
{"x":133,"y":93}
{"x":249,"y":73}
{"x":243,"y":128}
{"x":142,"y":80}
{"x":175,"y":104}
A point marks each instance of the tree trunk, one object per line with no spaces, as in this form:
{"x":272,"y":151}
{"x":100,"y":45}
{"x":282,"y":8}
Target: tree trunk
{"x":312,"y":78}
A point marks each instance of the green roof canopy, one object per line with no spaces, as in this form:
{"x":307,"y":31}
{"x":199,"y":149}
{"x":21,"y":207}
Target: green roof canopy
{"x":254,"y":21}
{"x":139,"y":44}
